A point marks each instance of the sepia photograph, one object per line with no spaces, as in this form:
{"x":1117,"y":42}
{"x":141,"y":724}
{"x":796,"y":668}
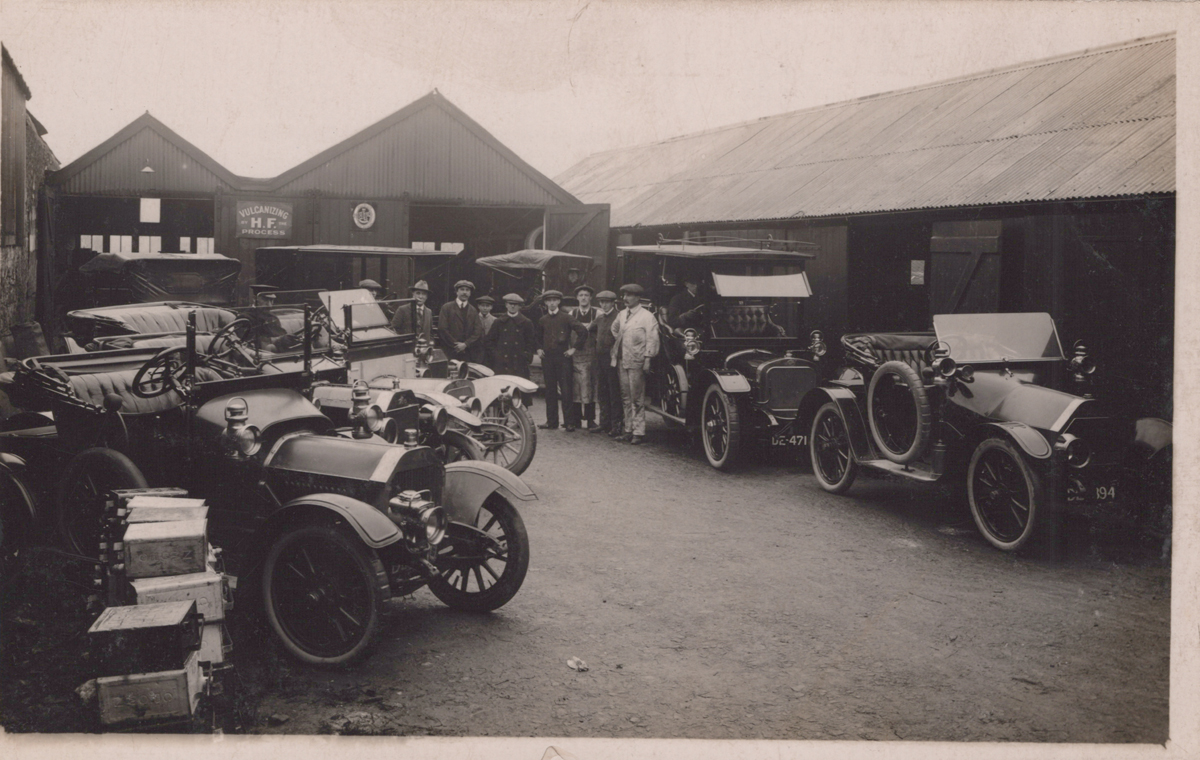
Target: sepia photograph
{"x":565,"y":379}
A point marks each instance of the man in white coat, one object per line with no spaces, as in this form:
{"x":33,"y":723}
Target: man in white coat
{"x":636,"y":332}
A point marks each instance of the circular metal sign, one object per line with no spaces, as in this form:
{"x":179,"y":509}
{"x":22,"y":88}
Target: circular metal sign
{"x":364,"y":216}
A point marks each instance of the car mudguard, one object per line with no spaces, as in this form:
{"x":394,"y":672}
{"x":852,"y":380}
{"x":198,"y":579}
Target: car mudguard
{"x":730,"y":380}
{"x":1030,"y":440}
{"x":488,"y":389}
{"x":12,"y":468}
{"x":856,"y":426}
{"x":470,"y":483}
{"x":374,"y":527}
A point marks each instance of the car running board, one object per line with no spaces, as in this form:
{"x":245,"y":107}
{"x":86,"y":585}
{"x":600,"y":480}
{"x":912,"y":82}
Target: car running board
{"x":919,"y":472}
{"x":665,"y":416}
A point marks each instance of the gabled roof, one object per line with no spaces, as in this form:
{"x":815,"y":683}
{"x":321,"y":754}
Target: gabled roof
{"x":112,"y":162}
{"x":429,"y":149}
{"x":1098,"y":123}
{"x":326,"y":159}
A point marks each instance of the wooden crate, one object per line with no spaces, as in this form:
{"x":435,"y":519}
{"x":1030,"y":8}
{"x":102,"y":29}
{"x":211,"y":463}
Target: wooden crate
{"x":146,"y":638}
{"x":155,"y":549}
{"x":163,"y":508}
{"x":207,"y":589}
{"x":214,"y":644}
{"x":151,"y":696}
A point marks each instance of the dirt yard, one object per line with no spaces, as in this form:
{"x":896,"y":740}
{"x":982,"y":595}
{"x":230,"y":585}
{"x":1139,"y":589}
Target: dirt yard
{"x":716,"y":605}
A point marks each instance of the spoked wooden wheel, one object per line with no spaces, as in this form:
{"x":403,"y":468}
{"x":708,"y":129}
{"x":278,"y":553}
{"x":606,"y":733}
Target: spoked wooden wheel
{"x":1005,"y":494}
{"x":673,"y":392}
{"x":508,"y":436}
{"x":482,"y":565}
{"x":457,"y":446}
{"x":720,"y":428}
{"x":324,"y":592}
{"x":833,"y":461}
{"x":80,"y":499}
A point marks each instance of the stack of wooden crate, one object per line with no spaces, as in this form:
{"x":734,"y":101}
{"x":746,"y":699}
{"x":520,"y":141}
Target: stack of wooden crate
{"x":162,"y":635}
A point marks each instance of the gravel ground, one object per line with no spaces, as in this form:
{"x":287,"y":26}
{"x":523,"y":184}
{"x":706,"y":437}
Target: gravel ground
{"x":750,"y":605}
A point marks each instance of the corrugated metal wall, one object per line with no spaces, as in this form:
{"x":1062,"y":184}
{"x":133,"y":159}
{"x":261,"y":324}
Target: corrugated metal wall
{"x":428,"y":155}
{"x":119,"y":171}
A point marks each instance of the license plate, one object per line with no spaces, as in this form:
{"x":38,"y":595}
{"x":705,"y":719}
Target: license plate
{"x":1099,"y":493}
{"x":789,"y":440}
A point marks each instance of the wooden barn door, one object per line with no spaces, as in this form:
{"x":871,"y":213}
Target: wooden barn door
{"x":964,"y":265}
{"x":581,"y":228}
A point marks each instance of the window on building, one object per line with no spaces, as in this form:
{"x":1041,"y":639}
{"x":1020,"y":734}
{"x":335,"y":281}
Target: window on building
{"x":204,"y":245}
{"x":424,"y":246}
{"x":150,"y":244}
{"x":452,"y":247}
{"x":92,"y":242}
{"x":916,"y":272}
{"x":185,"y":245}
{"x":151,"y":211}
{"x":120,"y":243}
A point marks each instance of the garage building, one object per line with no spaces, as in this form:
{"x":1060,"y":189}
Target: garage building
{"x":1046,"y":186}
{"x":427,"y":176}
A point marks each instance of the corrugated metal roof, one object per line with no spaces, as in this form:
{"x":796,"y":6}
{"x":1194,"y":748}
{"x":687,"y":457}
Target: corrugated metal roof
{"x":1098,"y":123}
{"x":429,"y":150}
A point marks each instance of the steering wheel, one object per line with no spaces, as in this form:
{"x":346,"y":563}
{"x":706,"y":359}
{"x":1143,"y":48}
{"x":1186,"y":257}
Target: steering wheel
{"x":162,"y":374}
{"x":228,"y":335}
{"x":936,"y":350}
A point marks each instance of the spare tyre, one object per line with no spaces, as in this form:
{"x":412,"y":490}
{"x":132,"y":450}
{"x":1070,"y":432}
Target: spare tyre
{"x":898,"y":412}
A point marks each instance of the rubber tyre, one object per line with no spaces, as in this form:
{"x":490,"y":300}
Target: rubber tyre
{"x":719,"y":410}
{"x":997,"y":468}
{"x":828,"y":436}
{"x":346,"y":573}
{"x":528,"y":431}
{"x":924,"y":416}
{"x":460,"y":558}
{"x":79,"y":500}
{"x":458,"y":446}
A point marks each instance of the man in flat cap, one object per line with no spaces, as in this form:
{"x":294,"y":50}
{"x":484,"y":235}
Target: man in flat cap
{"x":415,"y":317}
{"x":558,"y":335}
{"x":511,"y":342}
{"x":584,"y":360}
{"x":636,"y":332}
{"x":608,"y":380}
{"x":459,"y":328}
{"x":375,"y":288}
{"x":487,"y":319}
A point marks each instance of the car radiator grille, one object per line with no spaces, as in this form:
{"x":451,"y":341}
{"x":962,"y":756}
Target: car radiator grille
{"x":1107,"y":437}
{"x":427,"y":478}
{"x":785,"y":386}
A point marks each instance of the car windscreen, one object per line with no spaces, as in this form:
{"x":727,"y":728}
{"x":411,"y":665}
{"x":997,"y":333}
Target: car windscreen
{"x":762,"y":286}
{"x":998,"y":337}
{"x":364,"y":311}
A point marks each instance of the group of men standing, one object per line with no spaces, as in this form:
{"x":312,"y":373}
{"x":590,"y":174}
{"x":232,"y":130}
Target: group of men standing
{"x":594,"y":357}
{"x":597,"y":357}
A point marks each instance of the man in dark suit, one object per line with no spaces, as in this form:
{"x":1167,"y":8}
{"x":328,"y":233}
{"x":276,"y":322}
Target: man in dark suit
{"x":459,"y":328}
{"x":558,"y":335}
{"x":684,"y":309}
{"x":415,"y":317}
{"x":510,"y":342}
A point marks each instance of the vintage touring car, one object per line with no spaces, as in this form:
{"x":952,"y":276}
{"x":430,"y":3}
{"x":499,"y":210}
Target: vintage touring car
{"x":331,"y":522}
{"x":989,"y":397}
{"x":735,"y":365}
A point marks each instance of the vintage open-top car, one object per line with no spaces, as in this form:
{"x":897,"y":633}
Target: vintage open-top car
{"x":332,"y":522}
{"x":991,"y":397}
{"x":736,"y":366}
{"x":258,"y":338}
